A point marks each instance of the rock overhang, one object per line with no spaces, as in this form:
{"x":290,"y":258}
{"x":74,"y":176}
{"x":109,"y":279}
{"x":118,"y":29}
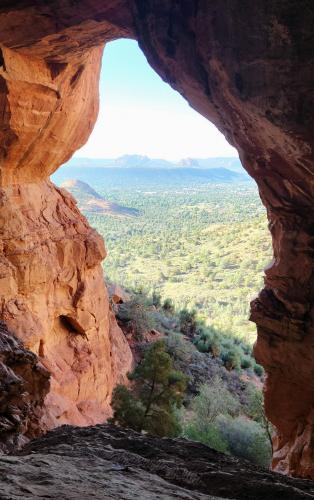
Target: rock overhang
{"x":249,"y":69}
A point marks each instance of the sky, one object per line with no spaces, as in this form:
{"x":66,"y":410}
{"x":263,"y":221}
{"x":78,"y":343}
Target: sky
{"x":141,"y":114}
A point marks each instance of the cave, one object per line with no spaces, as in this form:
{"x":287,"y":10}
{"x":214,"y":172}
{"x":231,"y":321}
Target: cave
{"x":247,"y":67}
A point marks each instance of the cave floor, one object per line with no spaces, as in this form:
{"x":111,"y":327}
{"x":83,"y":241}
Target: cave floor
{"x":106,"y":462}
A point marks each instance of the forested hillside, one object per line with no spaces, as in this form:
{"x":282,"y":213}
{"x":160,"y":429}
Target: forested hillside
{"x":92,"y":202}
{"x":201,"y":244}
{"x":192,"y":260}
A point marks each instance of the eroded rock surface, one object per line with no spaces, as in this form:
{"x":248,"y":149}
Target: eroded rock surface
{"x":24,"y":383}
{"x":104,"y":462}
{"x":52,"y":293}
{"x":248,"y":67}
{"x":53,"y":298}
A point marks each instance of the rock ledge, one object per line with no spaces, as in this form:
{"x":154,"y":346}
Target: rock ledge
{"x":106,"y":462}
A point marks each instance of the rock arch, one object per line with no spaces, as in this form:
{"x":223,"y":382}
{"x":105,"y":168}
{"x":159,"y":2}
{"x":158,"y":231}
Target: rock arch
{"x":248,"y":67}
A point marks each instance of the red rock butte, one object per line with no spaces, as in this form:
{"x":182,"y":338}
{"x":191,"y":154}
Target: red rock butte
{"x":247,"y":67}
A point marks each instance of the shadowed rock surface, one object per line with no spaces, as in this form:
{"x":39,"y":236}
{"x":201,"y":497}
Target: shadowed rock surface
{"x":24,"y":383}
{"x":105,"y":462}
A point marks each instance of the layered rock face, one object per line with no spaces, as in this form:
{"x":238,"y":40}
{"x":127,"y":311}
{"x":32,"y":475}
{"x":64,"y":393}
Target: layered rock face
{"x":248,"y":67}
{"x":52,"y":292}
{"x":54,"y":299}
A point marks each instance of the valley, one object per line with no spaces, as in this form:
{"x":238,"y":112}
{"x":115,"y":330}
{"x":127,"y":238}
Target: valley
{"x":189,"y":263}
{"x":201,"y":243}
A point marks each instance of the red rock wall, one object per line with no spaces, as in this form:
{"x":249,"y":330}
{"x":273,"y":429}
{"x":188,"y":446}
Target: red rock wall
{"x":54,"y":299}
{"x":246,"y":66}
{"x":52,"y":292}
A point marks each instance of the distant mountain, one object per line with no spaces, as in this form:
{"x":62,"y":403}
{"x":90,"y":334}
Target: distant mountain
{"x":138,"y":161}
{"x":147,"y":179}
{"x":233,"y":164}
{"x":126,"y":161}
{"x":90,"y":201}
{"x":144,"y":173}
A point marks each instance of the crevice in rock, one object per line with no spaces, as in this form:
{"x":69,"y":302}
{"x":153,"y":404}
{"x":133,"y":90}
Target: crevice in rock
{"x":56,"y":68}
{"x":72,"y":325}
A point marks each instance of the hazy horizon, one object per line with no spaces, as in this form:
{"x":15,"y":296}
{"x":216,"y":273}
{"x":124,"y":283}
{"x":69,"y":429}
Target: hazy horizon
{"x":79,"y":157}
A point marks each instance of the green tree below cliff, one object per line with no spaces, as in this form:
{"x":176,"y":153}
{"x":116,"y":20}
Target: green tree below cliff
{"x":157,"y":390}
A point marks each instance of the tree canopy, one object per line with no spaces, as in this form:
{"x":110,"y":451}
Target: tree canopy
{"x":157,"y":389}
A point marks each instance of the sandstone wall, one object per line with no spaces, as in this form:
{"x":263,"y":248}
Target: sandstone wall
{"x":248,"y":67}
{"x":54,"y":299}
{"x":52,"y":292}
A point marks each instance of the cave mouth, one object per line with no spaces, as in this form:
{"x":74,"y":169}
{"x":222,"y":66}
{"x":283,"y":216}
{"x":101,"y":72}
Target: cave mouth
{"x":247,"y":71}
{"x":143,"y":138}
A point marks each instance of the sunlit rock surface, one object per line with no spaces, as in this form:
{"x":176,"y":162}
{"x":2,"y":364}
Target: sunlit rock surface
{"x":54,"y":299}
{"x":248,"y":67}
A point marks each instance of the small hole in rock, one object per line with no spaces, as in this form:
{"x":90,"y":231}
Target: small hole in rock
{"x":71,"y":324}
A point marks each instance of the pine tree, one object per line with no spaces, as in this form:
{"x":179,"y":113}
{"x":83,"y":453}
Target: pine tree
{"x":157,"y":391}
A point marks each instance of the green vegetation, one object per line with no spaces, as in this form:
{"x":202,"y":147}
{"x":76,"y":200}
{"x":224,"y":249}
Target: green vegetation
{"x":157,"y":390}
{"x":220,"y":421}
{"x":204,"y":247}
{"x":213,"y":400}
{"x":200,"y":243}
{"x":137,"y":315}
{"x":246,"y":439}
{"x":144,"y":313}
{"x":222,"y":401}
{"x":194,"y":256}
{"x":255,"y":410}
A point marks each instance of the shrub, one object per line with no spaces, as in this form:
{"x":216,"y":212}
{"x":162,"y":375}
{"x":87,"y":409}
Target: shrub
{"x":231,"y":359}
{"x":178,"y":348}
{"x":208,"y":340}
{"x":246,"y":363}
{"x":168,"y":306}
{"x":255,"y":409}
{"x":259,"y":370}
{"x":246,"y":439}
{"x":215,"y":348}
{"x":203,"y":345}
{"x":211,"y":436}
{"x":138,"y":313}
{"x":156,"y":299}
{"x":128,"y":411}
{"x":213,"y":399}
{"x":187,"y":321}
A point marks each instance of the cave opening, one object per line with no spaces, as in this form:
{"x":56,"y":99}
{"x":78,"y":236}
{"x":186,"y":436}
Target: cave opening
{"x":184,"y":228}
{"x":178,"y":213}
{"x":252,"y":80}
